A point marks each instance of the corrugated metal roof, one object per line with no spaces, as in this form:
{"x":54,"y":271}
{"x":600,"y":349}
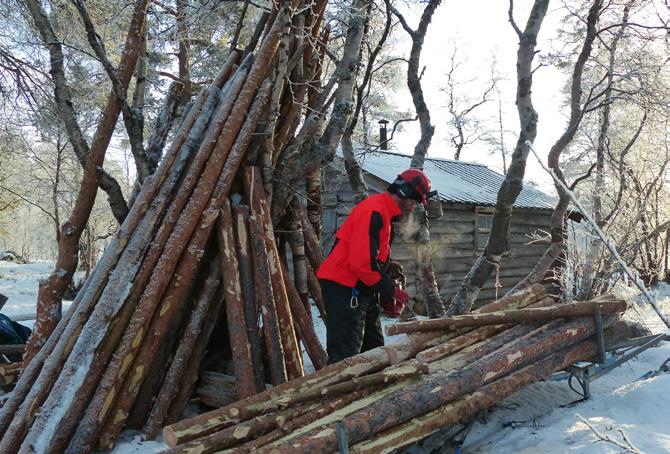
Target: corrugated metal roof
{"x":455,"y":181}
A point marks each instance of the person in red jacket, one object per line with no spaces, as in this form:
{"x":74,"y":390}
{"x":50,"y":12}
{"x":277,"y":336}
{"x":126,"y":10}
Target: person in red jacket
{"x":355,"y":278}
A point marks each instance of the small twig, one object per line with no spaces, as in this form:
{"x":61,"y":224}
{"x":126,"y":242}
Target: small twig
{"x":628,"y":446}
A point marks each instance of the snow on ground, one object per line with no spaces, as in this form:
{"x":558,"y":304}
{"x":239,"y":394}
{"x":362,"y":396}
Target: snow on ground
{"x":530,"y":421}
{"x":19,"y":283}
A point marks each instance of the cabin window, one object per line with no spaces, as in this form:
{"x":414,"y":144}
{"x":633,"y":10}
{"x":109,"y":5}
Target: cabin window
{"x":483,"y":223}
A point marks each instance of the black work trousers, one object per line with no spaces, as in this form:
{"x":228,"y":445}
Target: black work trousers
{"x":350,"y":330}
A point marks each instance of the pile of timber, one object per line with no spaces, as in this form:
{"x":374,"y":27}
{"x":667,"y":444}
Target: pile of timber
{"x":393,"y":396}
{"x":129,"y":351}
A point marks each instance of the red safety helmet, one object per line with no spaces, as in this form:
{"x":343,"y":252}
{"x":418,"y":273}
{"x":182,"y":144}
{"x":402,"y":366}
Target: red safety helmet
{"x":413,"y":184}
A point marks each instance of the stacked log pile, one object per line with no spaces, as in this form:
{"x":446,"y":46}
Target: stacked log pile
{"x":130,"y":350}
{"x":395,"y":395}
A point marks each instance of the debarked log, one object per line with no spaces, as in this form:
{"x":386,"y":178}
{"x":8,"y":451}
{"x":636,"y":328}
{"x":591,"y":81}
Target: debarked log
{"x":510,"y":316}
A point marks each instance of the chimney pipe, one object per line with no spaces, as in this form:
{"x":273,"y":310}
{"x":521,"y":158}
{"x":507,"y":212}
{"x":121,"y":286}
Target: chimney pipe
{"x":383,"y":134}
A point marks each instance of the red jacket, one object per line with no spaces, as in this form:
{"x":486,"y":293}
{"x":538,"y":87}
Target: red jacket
{"x":363,"y":246}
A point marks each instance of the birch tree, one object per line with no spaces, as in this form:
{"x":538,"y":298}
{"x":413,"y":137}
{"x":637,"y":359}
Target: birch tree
{"x":497,"y":245}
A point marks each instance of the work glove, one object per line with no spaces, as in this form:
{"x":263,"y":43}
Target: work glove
{"x":397,"y":303}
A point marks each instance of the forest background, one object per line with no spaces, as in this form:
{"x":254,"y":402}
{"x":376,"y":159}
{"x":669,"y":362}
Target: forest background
{"x":614,"y":129}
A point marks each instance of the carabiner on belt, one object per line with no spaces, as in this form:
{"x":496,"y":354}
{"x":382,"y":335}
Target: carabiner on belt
{"x":353,"y":303}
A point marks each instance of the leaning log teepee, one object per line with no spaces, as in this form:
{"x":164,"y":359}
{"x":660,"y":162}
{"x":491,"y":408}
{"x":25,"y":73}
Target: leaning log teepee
{"x":129,"y":350}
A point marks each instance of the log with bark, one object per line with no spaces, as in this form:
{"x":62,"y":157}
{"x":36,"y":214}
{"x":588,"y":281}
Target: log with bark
{"x":245,"y":261}
{"x":237,"y":325}
{"x":363,"y":364}
{"x":258,"y":202}
{"x":127,"y":247}
{"x":155,"y":278}
{"x":510,"y":316}
{"x":485,"y":397}
{"x":435,"y":390}
{"x":204,"y":300}
{"x":419,"y":389}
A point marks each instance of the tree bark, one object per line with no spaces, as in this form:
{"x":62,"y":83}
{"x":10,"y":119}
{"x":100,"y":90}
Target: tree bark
{"x":557,"y":249}
{"x":359,"y":365}
{"x":297,"y":242}
{"x":429,"y":394}
{"x":237,"y":325}
{"x":594,"y":248}
{"x":309,"y":152}
{"x":245,"y":258}
{"x":313,"y":251}
{"x":184,"y":62}
{"x":216,"y":390}
{"x":163,"y":124}
{"x":151,"y":206}
{"x":426,"y":273}
{"x":129,"y":240}
{"x":304,"y":326}
{"x":512,"y":316}
{"x":170,"y":387}
{"x":511,"y":187}
{"x":242,"y":432}
{"x":315,"y":291}
{"x":212,"y":188}
{"x":295,"y":423}
{"x":67,"y":114}
{"x":314,"y":201}
{"x":268,"y":400}
{"x":358,"y":185}
{"x":192,"y":369}
{"x":467,"y":406}
{"x":265,"y":297}
{"x":257,"y":200}
{"x":472,"y":337}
